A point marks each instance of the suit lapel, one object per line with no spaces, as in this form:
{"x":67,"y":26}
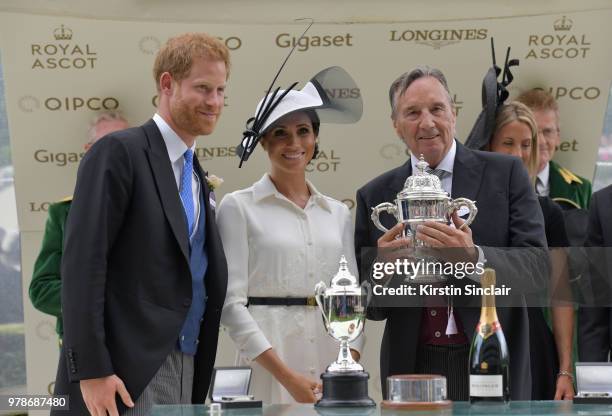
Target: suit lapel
{"x":166,"y":185}
{"x":467,"y":174}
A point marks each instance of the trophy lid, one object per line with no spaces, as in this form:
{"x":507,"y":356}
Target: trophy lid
{"x":343,"y":278}
{"x":422,"y":184}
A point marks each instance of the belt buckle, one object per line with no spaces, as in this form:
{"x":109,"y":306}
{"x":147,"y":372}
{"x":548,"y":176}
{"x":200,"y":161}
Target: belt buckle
{"x":311,"y":301}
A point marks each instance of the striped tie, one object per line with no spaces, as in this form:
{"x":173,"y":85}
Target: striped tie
{"x":440,"y":173}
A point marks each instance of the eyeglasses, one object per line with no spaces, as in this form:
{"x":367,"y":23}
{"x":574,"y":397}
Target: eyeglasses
{"x":549,"y":132}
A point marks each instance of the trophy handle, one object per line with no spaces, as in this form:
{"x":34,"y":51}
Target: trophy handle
{"x":320,"y":289}
{"x":464,"y":202}
{"x":384,"y":207}
{"x":367,"y":288}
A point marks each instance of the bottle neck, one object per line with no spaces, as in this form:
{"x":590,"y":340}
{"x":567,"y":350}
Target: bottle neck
{"x":488,"y":313}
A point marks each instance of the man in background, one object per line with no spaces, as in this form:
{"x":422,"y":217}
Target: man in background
{"x":555,"y":181}
{"x":46,"y":284}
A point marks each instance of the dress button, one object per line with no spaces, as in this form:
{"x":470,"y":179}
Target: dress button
{"x":313,"y":370}
{"x":310,"y":243}
{"x":182,"y":337}
{"x":437,"y":334}
{"x":433,"y":312}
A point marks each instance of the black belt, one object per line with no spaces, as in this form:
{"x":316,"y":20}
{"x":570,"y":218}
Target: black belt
{"x":269,"y":301}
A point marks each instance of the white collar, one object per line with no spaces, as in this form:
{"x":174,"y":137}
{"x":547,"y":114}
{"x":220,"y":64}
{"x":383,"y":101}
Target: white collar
{"x":446,"y":164}
{"x":265,"y":187}
{"x":175,"y":146}
{"x":544,"y":174}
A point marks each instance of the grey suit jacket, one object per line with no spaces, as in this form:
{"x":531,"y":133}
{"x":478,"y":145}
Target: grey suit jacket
{"x":508,"y":216}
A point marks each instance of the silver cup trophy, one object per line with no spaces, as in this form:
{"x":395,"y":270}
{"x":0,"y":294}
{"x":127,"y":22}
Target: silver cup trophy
{"x":343,"y":305}
{"x":422,"y":200}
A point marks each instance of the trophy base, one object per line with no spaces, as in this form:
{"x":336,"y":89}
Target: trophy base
{"x":348,"y":389}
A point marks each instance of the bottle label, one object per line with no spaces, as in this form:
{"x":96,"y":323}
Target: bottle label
{"x":486,"y":386}
{"x":487,"y":329}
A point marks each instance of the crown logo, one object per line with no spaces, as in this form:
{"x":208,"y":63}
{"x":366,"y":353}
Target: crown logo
{"x":563,"y":24}
{"x":62,"y":33}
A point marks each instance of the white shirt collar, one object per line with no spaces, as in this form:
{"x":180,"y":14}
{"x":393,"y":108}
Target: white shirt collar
{"x":264,"y":188}
{"x":175,"y":146}
{"x":544,"y":174}
{"x":446,"y":164}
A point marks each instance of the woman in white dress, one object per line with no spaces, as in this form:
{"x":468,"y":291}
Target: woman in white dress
{"x":281,"y":236}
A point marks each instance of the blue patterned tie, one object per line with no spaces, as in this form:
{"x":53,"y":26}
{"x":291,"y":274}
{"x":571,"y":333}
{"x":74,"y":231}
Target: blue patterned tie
{"x":185,"y":189}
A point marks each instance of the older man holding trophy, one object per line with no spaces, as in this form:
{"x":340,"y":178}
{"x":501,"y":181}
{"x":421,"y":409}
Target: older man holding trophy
{"x":435,"y":340}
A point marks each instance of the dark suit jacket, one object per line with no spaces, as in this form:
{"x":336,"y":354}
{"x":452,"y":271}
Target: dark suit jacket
{"x":125,"y":269}
{"x":595,"y":323}
{"x":508,"y":216}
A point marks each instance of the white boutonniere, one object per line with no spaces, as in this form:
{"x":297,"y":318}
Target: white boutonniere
{"x":214,"y":182}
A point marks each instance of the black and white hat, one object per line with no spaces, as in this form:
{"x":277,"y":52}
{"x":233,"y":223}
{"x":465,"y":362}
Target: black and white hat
{"x":331,"y":93}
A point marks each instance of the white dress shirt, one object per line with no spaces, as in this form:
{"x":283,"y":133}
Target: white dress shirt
{"x":176,"y":151}
{"x":276,"y":249}
{"x":542,"y":183}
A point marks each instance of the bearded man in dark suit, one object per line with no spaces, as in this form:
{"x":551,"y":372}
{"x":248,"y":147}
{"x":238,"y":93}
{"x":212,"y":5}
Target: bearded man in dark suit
{"x":420,"y":339}
{"x":144,"y":274}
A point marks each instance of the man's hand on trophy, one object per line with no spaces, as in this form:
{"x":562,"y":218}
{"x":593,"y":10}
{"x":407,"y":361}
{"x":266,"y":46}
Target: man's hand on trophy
{"x":442,"y":236}
{"x":302,"y":389}
{"x":394,"y":238}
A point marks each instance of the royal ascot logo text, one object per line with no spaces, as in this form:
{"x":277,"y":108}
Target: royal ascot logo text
{"x":327,"y":160}
{"x":62,"y":52}
{"x":437,"y":38}
{"x":286,"y":40}
{"x":29,"y":103}
{"x":562,"y":43}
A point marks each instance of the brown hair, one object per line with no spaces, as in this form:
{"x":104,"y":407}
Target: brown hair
{"x":517,"y":111}
{"x":539,"y":100}
{"x":177,"y":54}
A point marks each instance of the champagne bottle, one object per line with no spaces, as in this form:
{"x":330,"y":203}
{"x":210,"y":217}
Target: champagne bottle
{"x":489,"y":359}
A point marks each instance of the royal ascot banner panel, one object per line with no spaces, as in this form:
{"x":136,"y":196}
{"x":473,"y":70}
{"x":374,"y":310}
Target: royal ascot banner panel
{"x":61,"y":71}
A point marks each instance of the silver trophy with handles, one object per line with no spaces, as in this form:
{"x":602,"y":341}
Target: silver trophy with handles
{"x":343,"y":306}
{"x":422,"y":200}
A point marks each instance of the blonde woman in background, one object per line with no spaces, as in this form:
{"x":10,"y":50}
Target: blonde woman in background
{"x":516,"y":133}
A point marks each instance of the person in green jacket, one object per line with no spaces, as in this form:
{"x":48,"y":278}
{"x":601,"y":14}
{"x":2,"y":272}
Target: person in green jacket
{"x":555,"y":181}
{"x":46,"y":285}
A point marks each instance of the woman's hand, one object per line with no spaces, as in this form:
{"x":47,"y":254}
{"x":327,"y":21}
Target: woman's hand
{"x":302,"y":389}
{"x":565,"y":388}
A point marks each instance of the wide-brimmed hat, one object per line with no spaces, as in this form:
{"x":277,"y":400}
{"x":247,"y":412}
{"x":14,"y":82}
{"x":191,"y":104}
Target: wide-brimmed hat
{"x":494,"y":94}
{"x":331,"y":93}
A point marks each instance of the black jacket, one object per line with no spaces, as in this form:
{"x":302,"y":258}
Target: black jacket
{"x":125,"y":267}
